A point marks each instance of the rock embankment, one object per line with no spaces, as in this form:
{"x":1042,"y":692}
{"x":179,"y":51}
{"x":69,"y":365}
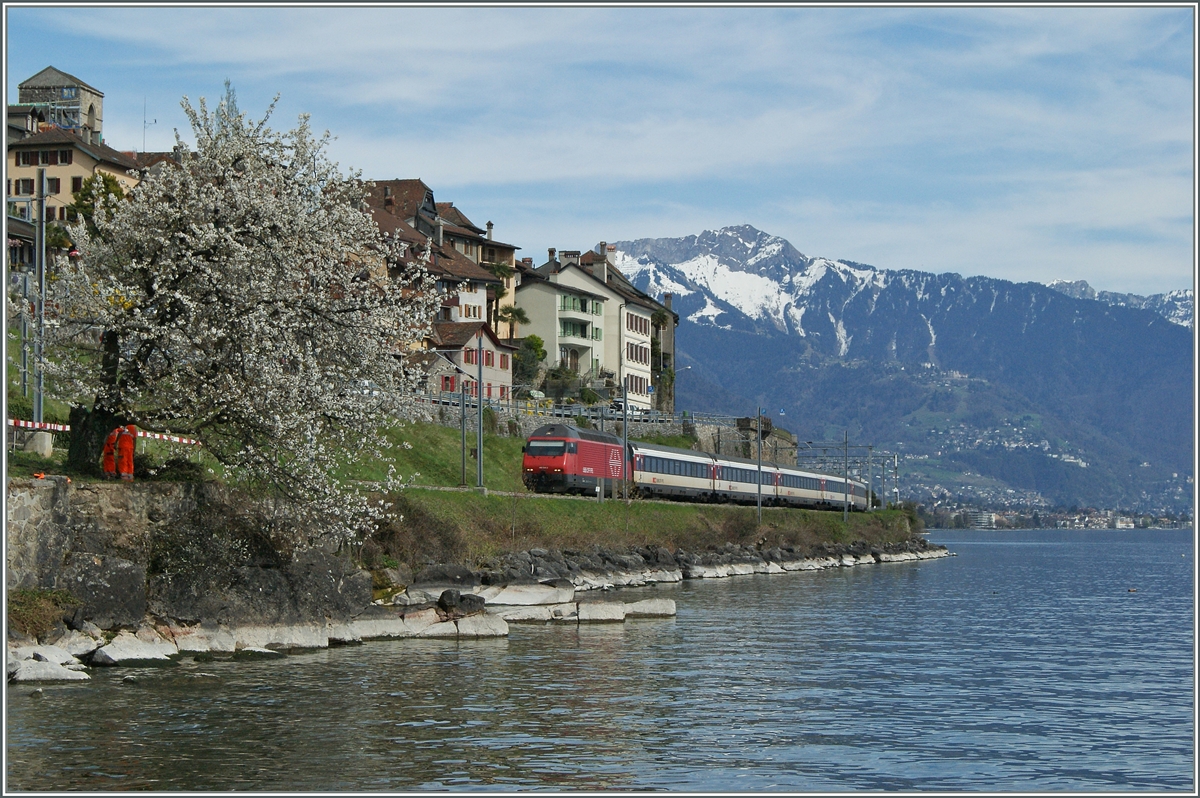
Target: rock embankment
{"x":152,"y":588}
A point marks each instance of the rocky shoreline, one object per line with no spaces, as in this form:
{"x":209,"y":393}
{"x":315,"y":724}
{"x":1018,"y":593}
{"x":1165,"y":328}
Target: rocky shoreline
{"x":132,"y":615}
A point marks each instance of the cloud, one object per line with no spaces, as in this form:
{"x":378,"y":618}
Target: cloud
{"x":943,"y":137}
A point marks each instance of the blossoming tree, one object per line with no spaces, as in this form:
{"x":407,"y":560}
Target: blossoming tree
{"x":244,"y":299}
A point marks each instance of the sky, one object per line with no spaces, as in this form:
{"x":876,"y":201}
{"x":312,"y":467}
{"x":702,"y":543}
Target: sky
{"x":1025,"y":143}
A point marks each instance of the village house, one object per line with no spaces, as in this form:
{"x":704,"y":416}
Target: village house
{"x":458,"y":344}
{"x":595,"y":322}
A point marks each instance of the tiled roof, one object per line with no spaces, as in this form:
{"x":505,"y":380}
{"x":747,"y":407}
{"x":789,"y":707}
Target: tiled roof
{"x":456,"y":334}
{"x":447,"y":211}
{"x":101,"y":152}
{"x":407,"y":196}
{"x":449,"y":261}
{"x":50,"y":77}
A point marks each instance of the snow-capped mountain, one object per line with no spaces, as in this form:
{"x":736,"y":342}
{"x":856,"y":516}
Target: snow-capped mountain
{"x":1177,"y":306}
{"x":907,"y":358}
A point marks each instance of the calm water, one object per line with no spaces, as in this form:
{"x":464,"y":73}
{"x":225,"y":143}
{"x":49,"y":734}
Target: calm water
{"x":1024,"y":663}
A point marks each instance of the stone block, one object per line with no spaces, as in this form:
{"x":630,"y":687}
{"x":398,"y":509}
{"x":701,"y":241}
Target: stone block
{"x":848,"y":560}
{"x":78,"y":643}
{"x":482,"y":626}
{"x":40,"y":443}
{"x":420,"y":620}
{"x":650,"y":608}
{"x":282,"y":637}
{"x":380,"y":628}
{"x":440,"y":629}
{"x":527,"y":595}
{"x":516,"y":614}
{"x":866,"y":559}
{"x":601,"y":612}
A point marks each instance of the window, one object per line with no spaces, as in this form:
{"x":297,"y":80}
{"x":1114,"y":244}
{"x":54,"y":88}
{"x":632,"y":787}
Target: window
{"x":76,"y":185}
{"x":503,"y":366}
{"x":595,"y":333}
{"x":489,"y":359}
{"x":53,"y":185}
{"x":66,"y":156}
{"x":25,"y":185}
{"x":26,"y":159}
{"x":491,"y":256}
{"x":448,"y":382}
{"x":597,"y":308}
{"x":469,"y":357}
{"x":489,"y":390}
{"x":62,"y":213}
{"x":503,"y":391}
{"x":637,"y":324}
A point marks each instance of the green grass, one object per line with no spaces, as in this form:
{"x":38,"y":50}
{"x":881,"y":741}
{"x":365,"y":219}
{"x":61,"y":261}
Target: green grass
{"x":469,"y":527}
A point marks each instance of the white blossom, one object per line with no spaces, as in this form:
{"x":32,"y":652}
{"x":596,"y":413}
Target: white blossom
{"x":245,"y":302}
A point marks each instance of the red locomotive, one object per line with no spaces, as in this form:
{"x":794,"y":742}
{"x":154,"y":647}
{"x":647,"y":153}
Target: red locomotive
{"x":560,"y":458}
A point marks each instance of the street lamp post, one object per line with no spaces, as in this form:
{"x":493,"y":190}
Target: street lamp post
{"x":39,"y":342}
{"x":846,"y":477}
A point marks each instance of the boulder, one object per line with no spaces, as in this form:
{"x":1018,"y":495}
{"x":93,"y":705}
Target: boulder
{"x":568,"y":612}
{"x":866,"y":559}
{"x":127,"y":650}
{"x":848,"y":560}
{"x":33,"y":670}
{"x":482,"y":626}
{"x":78,"y":643}
{"x":601,"y":612}
{"x":664,"y":575}
{"x":459,"y":604}
{"x":650,"y":608}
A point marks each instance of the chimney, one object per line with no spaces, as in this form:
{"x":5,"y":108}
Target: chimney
{"x":489,"y":231}
{"x":610,"y":253}
{"x":440,"y":228}
{"x":551,"y":250}
{"x":527,"y":261}
{"x":389,"y":202}
{"x":667,"y":301}
{"x":600,"y":250}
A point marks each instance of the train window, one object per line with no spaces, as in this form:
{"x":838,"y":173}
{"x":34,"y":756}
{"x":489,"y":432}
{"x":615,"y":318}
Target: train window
{"x":546,"y":448}
{"x":572,"y":448}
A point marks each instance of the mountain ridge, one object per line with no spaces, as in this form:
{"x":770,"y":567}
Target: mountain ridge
{"x":1109,"y":381}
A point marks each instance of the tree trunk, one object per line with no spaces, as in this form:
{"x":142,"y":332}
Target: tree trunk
{"x":89,"y":428}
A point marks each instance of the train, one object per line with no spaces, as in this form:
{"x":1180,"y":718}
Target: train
{"x":561,"y":458}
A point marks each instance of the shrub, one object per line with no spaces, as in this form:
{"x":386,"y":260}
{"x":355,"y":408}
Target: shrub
{"x":35,"y":612}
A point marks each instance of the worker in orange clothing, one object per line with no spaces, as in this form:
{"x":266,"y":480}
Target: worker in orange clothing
{"x":109,"y":459}
{"x":125,"y":440}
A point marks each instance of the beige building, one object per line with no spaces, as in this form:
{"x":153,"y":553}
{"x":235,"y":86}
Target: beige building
{"x":68,"y":161}
{"x":593,"y":322}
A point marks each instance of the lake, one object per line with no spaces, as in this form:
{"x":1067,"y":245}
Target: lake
{"x":1025,"y":663}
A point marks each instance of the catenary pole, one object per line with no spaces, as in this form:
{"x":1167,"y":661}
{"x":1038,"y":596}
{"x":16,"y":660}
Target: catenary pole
{"x":462,"y":411}
{"x":479,"y":403}
{"x":39,"y":342}
{"x":758,"y":434}
{"x":846,"y":476}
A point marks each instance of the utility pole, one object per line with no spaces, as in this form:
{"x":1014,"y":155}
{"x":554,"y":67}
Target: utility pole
{"x":896,"y":477}
{"x":479,"y":403}
{"x":870,"y":481}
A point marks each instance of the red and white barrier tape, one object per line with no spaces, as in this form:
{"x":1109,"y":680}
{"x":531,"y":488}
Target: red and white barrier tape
{"x":16,"y":422}
{"x":172,"y":438}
